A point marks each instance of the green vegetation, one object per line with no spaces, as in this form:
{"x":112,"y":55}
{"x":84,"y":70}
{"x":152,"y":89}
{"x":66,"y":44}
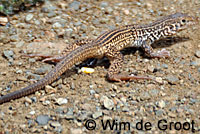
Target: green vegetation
{"x":9,"y":7}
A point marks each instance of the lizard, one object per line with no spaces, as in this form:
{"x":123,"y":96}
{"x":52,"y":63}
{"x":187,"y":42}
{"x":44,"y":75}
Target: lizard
{"x":109,"y":44}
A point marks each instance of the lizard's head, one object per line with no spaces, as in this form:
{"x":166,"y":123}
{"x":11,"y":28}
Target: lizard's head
{"x":181,"y":21}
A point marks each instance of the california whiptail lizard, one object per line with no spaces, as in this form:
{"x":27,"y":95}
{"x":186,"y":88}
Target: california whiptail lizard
{"x":109,"y":44}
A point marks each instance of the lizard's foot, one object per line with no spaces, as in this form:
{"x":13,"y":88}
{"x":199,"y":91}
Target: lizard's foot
{"x":46,"y":58}
{"x":159,"y":54}
{"x":162,"y":53}
{"x":53,"y":59}
{"x":125,"y":77}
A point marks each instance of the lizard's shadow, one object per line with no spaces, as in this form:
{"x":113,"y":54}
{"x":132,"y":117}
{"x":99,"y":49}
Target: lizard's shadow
{"x":169,"y":41}
{"x":162,"y":43}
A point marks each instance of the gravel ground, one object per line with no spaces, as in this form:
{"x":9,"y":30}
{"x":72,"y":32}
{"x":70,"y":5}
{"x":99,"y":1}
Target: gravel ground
{"x":48,"y":28}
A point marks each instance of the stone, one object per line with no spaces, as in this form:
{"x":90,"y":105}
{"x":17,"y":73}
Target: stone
{"x":61,"y":101}
{"x":197,"y":53}
{"x":97,"y":114}
{"x":8,"y":54}
{"x":42,"y":119}
{"x":75,"y":5}
{"x":161,"y":104}
{"x":29,"y":17}
{"x":108,"y":103}
{"x":172,"y":79}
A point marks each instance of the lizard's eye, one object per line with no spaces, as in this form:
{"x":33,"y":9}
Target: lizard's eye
{"x":183,"y":20}
{"x":171,"y":27}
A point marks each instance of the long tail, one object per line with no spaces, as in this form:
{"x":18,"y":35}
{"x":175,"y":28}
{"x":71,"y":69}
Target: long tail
{"x":78,"y":55}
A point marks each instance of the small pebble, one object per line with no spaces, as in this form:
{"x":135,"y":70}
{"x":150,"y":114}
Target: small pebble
{"x":92,"y":92}
{"x":56,"y":25}
{"x":61,"y":101}
{"x":3,"y":20}
{"x":69,"y":116}
{"x":31,"y":60}
{"x":30,"y":75}
{"x":43,"y":69}
{"x":197,"y":53}
{"x":76,"y":131}
{"x":8,"y":54}
{"x":108,"y":103}
{"x":104,"y":4}
{"x":34,"y":99}
{"x":114,"y":87}
{"x":172,"y":79}
{"x":145,"y":96}
{"x":77,"y":23}
{"x":138,"y":3}
{"x":161,"y":104}
{"x":20,"y":44}
{"x":118,"y":19}
{"x":37,"y":22}
{"x":68,"y":32}
{"x":165,"y":66}
{"x":95,"y":22}
{"x":32,"y":112}
{"x":22,"y":126}
{"x":123,"y":99}
{"x":151,"y":68}
{"x":109,"y":10}
{"x":195,"y":62}
{"x":83,"y":116}
{"x":19,"y":71}
{"x":170,"y":114}
{"x":30,"y":123}
{"x":42,"y":119}
{"x":22,"y":78}
{"x":126,"y":12}
{"x":134,"y":102}
{"x":55,"y":124}
{"x":74,"y":5}
{"x":97,"y":114}
{"x":50,"y":89}
{"x":46,"y":102}
{"x":154,"y":92}
{"x":14,"y":38}
{"x":72,"y":86}
{"x":125,"y":109}
{"x":51,"y":14}
{"x":159,"y":80}
{"x":159,"y":112}
{"x":29,"y":17}
{"x":28,"y":100}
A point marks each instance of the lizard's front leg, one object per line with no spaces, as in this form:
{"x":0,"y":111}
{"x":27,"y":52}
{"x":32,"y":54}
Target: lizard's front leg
{"x":146,"y":46}
{"x":66,"y":51}
{"x":116,"y":60}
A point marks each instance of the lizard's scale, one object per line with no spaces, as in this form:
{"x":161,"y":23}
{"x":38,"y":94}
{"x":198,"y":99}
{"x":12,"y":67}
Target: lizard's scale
{"x":109,"y":44}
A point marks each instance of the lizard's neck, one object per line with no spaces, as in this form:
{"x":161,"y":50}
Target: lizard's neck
{"x":154,"y":31}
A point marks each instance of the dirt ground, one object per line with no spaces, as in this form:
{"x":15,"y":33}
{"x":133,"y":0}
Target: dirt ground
{"x":76,"y":100}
